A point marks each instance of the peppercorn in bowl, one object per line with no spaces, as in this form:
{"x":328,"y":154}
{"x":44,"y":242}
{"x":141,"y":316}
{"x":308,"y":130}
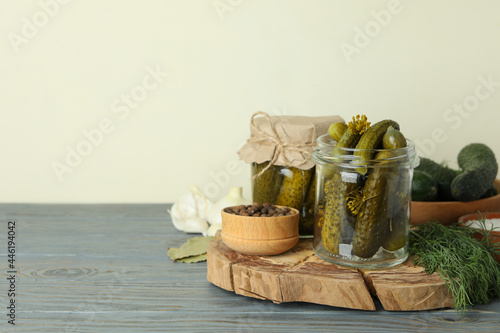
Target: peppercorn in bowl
{"x":260,"y":229}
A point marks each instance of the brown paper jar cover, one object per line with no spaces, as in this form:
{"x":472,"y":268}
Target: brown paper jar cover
{"x":284,"y":140}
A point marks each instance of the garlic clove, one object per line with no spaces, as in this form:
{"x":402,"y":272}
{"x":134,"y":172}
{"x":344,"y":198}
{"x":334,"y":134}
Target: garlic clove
{"x":233,"y":198}
{"x":214,"y":228}
{"x":202,"y":204}
{"x":177,"y":218}
{"x":196,"y":225}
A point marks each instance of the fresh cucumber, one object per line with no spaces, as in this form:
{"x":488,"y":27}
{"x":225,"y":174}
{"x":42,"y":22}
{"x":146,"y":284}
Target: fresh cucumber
{"x":479,"y":171}
{"x":443,"y":176}
{"x":424,"y":187}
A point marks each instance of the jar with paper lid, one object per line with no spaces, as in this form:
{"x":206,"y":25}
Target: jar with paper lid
{"x":282,"y":171}
{"x":363,"y":204}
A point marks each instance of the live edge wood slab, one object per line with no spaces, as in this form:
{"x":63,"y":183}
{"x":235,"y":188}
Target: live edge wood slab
{"x":299,"y":275}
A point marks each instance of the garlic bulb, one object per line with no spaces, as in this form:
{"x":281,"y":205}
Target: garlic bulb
{"x":189,"y":213}
{"x":234,"y":198}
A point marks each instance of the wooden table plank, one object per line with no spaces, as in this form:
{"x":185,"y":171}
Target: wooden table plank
{"x":104,"y":268}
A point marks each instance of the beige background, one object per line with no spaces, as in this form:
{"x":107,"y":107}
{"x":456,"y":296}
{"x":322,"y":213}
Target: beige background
{"x":157,"y":95}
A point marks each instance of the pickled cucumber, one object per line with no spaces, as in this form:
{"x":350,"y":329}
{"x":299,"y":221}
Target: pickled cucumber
{"x":306,"y":224}
{"x":336,"y":130}
{"x":371,"y":139}
{"x":266,"y":187}
{"x":336,"y":190}
{"x":348,"y":140}
{"x":294,"y":187}
{"x":311,"y":191}
{"x":372,"y":221}
{"x":393,"y":139}
{"x":397,"y":233}
{"x":332,"y":218}
{"x":337,"y":221}
{"x":397,"y":229}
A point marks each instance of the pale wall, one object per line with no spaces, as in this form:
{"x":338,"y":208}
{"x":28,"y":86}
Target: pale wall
{"x":217,"y":62}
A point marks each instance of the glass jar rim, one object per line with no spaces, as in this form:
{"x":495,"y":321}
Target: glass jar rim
{"x":351,"y":157}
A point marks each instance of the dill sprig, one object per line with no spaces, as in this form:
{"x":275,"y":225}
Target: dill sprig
{"x":359,"y":124}
{"x":356,"y":201}
{"x":465,"y":263}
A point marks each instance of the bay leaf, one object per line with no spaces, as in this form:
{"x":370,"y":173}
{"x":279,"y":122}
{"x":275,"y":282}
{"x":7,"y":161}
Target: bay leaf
{"x":201,"y":257}
{"x":193,"y":247}
{"x":172,"y":251}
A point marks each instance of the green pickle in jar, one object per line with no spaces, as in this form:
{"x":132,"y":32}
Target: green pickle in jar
{"x":286,"y":186}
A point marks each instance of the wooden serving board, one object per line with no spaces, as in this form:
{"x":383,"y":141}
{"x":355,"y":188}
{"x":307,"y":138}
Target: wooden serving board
{"x":299,"y":275}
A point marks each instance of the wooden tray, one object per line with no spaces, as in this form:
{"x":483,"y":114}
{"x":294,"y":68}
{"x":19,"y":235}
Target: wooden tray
{"x":300,"y":276}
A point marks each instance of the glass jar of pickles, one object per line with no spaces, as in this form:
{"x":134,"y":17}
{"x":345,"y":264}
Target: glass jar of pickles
{"x":279,"y":153}
{"x":362,"y":210}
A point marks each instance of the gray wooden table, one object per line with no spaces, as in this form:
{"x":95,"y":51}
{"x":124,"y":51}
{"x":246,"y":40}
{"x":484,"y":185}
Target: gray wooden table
{"x":104,"y":268}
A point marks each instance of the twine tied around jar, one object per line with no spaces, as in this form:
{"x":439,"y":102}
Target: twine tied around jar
{"x":281,"y":147}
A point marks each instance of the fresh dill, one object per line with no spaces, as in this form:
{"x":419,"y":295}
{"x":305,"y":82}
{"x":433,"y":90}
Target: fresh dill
{"x":466,"y":264}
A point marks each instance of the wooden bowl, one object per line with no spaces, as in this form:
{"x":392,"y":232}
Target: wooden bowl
{"x":494,"y":235}
{"x":448,"y":212}
{"x":260,"y":235}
